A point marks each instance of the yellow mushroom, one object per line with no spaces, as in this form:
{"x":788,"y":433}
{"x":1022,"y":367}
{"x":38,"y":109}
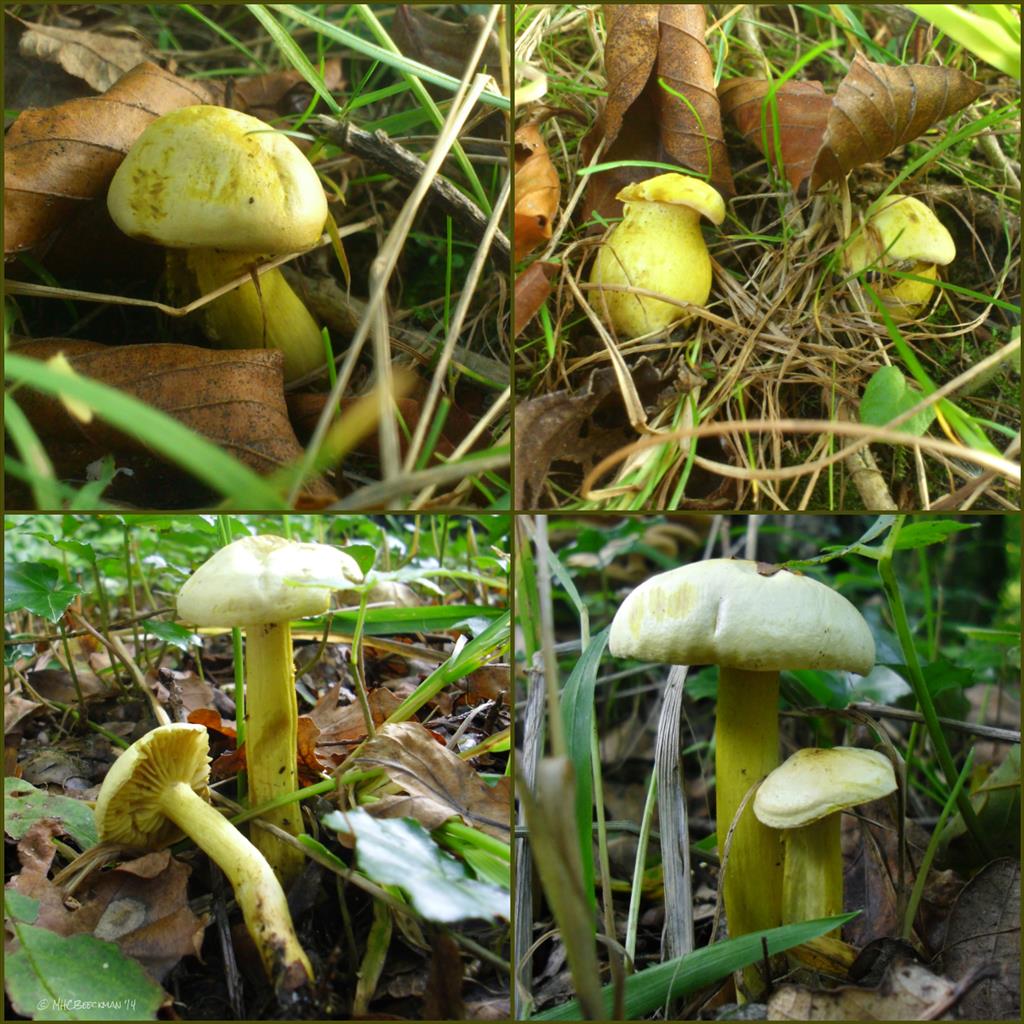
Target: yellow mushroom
{"x":903,"y":235}
{"x":657,"y":246}
{"x":223,"y":190}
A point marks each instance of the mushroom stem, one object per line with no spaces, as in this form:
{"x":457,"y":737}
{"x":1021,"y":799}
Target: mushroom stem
{"x":746,"y":750}
{"x":272,"y":739}
{"x":273,"y":317}
{"x":812,"y":881}
{"x":257,"y":890}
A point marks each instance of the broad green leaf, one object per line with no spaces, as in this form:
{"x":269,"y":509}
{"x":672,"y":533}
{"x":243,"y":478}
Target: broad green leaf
{"x":887,"y":395}
{"x":38,"y":588}
{"x":24,"y":805}
{"x":55,"y":977}
{"x":400,"y":852}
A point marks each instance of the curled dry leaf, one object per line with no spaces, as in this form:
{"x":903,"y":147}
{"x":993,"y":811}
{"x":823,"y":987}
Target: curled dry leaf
{"x":428,"y":771}
{"x":141,"y":905}
{"x":59,"y":157}
{"x":234,"y":398}
{"x":533,"y":286}
{"x":803,"y":109}
{"x":877,"y":108}
{"x":97,"y":57}
{"x":679,"y":121}
{"x":537,"y":191}
{"x":444,"y":45}
{"x":560,"y":427}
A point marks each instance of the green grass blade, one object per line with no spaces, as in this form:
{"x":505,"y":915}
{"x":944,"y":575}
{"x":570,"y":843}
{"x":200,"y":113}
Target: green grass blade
{"x":391,"y":58}
{"x":293,"y":54}
{"x":647,"y":991}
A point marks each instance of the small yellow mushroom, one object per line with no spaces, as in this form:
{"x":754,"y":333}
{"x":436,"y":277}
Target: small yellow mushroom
{"x":903,"y":235}
{"x":657,"y":246}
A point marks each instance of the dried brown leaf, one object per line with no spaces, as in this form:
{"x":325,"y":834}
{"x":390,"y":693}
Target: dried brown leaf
{"x":878,"y":108}
{"x":803,"y":109}
{"x":690,"y":132}
{"x":426,"y":770}
{"x":559,"y":427}
{"x":909,"y":991}
{"x":444,"y":45}
{"x":537,"y":191}
{"x":643,"y":120}
{"x":342,"y":725}
{"x":533,"y":286}
{"x":142,"y":905}
{"x":234,"y":398}
{"x":59,"y":157}
{"x":97,"y":57}
{"x":984,"y":930}
{"x":630,"y":50}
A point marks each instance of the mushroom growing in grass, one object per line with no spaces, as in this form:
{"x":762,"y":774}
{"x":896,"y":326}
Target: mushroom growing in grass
{"x":260,"y":584}
{"x":751,"y":620}
{"x":902,"y":234}
{"x":156,"y":793}
{"x":227,"y":190}
{"x":804,"y":798}
{"x":657,"y":246}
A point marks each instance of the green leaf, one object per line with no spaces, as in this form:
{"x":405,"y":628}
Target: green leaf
{"x":578,"y":718}
{"x":24,"y":805}
{"x":887,"y":395}
{"x":54,"y":977}
{"x":400,"y":852}
{"x":173,"y":634}
{"x":387,"y":621}
{"x":38,"y":588}
{"x":20,"y":907}
{"x":997,"y":804}
{"x":647,"y":991}
{"x":921,"y":533}
{"x":989,"y":32}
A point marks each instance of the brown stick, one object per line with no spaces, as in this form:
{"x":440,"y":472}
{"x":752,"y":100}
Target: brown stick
{"x":409,"y":168}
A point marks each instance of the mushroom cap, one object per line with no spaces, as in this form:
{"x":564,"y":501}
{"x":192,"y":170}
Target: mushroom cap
{"x":725,"y":612}
{"x":263,"y":579}
{"x":814,"y":783}
{"x":212,"y":178}
{"x":678,"y":190}
{"x":127,"y":809}
{"x":901,"y":230}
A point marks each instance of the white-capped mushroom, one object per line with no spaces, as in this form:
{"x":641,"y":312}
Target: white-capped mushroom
{"x":803,"y":799}
{"x":260,"y":584}
{"x":752,"y":621}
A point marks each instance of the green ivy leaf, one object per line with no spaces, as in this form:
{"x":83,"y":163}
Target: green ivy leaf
{"x":38,"y":588}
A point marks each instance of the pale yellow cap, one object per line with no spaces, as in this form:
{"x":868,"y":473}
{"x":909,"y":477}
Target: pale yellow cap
{"x":212,"y":178}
